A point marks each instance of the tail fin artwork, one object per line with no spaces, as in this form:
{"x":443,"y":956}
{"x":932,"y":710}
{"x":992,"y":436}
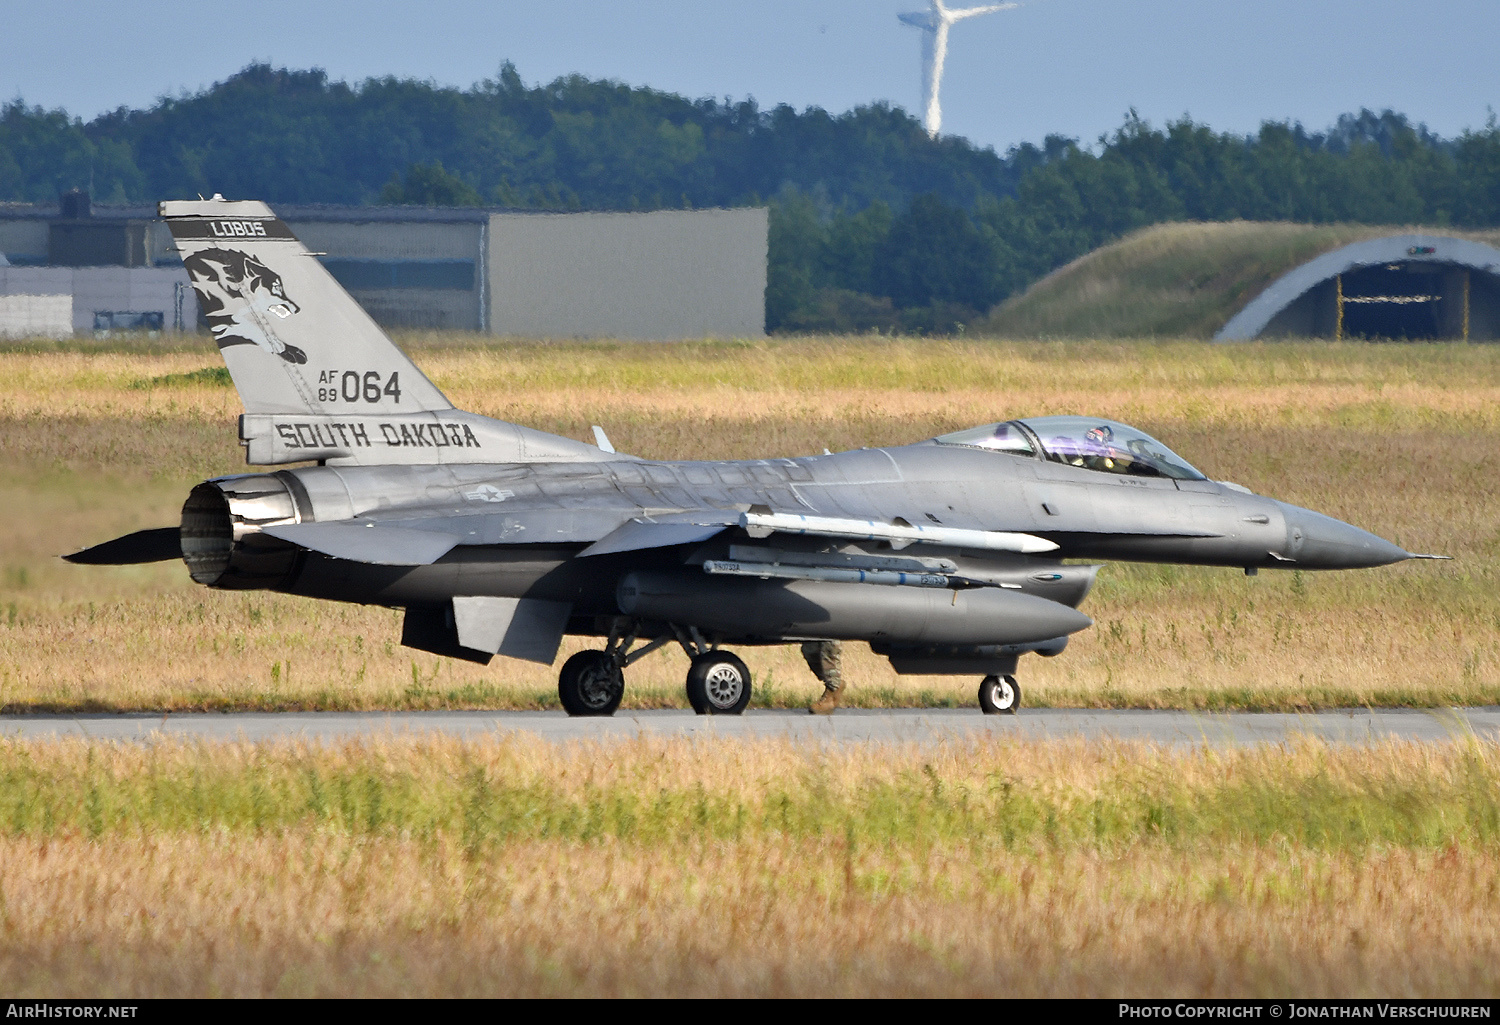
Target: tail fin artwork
{"x":293,"y":339}
{"x":319,"y":379}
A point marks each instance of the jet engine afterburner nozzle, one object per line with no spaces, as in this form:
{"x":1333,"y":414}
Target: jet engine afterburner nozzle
{"x":221,"y":537}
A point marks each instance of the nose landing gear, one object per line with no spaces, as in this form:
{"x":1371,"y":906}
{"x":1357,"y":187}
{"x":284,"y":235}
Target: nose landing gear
{"x":718,"y":683}
{"x":999,"y":695}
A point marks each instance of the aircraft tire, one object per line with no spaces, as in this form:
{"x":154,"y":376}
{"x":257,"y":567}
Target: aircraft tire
{"x":590,"y":684}
{"x":718,"y":683}
{"x":1000,"y":695}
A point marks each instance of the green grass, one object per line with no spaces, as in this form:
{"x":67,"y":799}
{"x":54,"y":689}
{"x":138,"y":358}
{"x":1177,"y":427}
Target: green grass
{"x":214,"y":376}
{"x":1175,"y":280}
{"x":502,"y":792}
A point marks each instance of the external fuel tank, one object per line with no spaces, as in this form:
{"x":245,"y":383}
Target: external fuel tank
{"x":751,"y":609}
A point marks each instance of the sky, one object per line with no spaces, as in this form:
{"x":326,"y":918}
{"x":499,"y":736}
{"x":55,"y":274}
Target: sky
{"x":1070,"y":67}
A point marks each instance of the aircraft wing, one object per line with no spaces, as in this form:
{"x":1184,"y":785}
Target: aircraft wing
{"x":415,"y":540}
{"x":422,"y":542}
{"x":662,"y":532}
{"x":762,"y":522}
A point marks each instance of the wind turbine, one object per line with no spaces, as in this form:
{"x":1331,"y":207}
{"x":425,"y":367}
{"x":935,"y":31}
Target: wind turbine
{"x":935,"y":24}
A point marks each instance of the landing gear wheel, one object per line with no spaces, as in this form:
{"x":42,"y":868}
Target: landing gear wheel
{"x":590,"y":684}
{"x":718,"y":684}
{"x":1000,"y":695}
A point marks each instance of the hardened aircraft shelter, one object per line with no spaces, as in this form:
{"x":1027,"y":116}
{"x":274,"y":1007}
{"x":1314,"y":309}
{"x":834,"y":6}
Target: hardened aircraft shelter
{"x":1413,"y":287}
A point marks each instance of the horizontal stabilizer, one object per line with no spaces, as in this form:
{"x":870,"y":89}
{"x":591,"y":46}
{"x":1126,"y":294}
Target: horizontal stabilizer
{"x":376,"y":546}
{"x":160,"y":544}
{"x":640,"y":534}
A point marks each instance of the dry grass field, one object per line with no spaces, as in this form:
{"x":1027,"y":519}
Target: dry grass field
{"x":401,"y":867}
{"x":1400,"y":439}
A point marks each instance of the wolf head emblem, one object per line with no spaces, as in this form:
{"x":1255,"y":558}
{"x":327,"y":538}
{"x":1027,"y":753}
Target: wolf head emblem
{"x":241,"y":299}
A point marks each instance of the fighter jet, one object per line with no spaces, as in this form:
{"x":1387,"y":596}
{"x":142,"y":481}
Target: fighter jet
{"x":952,"y":556}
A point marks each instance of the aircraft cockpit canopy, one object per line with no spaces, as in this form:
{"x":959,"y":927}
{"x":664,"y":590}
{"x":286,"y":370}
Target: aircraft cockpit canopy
{"x":1088,"y":442}
{"x":1107,"y":446}
{"x":995,"y":437}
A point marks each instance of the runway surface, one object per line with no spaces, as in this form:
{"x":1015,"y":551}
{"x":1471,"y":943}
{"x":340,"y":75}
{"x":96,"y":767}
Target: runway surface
{"x":1352,"y":726}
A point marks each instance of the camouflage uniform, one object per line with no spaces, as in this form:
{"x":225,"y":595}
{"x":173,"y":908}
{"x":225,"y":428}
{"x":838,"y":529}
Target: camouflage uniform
{"x":825,"y":659}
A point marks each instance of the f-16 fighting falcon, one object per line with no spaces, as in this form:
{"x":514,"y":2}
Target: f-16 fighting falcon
{"x":948,"y":556}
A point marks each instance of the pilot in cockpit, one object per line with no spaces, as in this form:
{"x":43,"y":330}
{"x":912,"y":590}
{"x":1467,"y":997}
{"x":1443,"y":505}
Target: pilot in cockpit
{"x":1083,"y":442}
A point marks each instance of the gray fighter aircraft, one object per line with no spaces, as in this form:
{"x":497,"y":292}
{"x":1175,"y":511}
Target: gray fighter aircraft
{"x":947,"y":556}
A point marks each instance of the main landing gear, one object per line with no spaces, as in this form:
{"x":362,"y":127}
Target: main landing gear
{"x":593,"y":682}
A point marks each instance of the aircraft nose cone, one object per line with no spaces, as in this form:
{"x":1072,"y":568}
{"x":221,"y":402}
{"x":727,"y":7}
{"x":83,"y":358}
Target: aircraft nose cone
{"x":1316,"y":541}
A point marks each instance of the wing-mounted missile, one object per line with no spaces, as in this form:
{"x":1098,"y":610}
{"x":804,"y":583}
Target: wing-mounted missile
{"x":686,"y":528}
{"x":844,"y":567}
{"x":898,"y":534}
{"x":840,"y":574}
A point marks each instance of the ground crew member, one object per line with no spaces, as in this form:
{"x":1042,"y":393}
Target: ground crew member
{"x":825,"y":659}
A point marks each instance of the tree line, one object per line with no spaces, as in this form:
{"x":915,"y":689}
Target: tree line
{"x":873,"y":224}
{"x":933,"y":265}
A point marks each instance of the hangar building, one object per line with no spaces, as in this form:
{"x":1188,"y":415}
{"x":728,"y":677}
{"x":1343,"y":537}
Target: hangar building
{"x":662,"y":275}
{"x":74,"y":268}
{"x":1417,"y":287}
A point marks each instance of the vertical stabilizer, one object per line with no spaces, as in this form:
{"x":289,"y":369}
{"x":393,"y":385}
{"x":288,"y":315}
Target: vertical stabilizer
{"x":295,"y":342}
